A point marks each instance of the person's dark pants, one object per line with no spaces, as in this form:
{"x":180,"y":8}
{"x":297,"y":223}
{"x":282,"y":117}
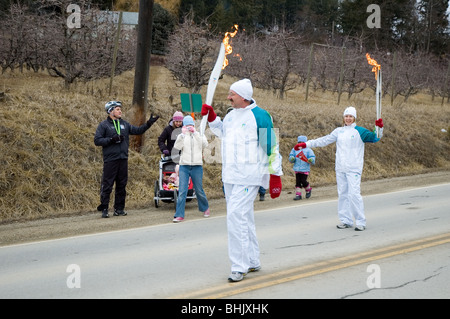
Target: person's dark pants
{"x":114,"y":172}
{"x":301,"y":180}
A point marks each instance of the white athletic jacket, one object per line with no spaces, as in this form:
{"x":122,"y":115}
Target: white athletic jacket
{"x":349,"y":146}
{"x":250,"y":149}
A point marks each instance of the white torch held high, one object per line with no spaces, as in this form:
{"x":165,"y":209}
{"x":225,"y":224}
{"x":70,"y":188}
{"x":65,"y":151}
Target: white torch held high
{"x":221,"y":63}
{"x":378,"y":94}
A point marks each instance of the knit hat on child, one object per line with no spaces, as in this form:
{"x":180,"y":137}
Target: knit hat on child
{"x":302,"y":139}
{"x":177,"y":116}
{"x":188,"y":120}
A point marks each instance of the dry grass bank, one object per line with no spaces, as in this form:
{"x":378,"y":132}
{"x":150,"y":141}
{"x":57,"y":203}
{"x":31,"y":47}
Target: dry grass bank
{"x":50,"y":166}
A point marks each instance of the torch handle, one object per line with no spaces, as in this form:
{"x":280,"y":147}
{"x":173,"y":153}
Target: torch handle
{"x":203,"y":124}
{"x":378,"y":98}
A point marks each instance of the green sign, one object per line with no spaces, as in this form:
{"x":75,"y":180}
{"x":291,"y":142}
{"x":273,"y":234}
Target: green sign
{"x":191,"y":102}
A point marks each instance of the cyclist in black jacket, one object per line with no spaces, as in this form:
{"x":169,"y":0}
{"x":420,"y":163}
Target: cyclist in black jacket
{"x":113,"y":135}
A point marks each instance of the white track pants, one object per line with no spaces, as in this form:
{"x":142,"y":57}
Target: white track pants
{"x":350,"y":202}
{"x":243,"y":248}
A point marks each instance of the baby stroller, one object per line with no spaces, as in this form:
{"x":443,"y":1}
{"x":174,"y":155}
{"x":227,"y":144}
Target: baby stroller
{"x":166,"y":191}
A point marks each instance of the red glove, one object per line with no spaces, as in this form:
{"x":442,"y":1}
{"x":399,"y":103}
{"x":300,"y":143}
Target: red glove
{"x":275,"y":186}
{"x":379,"y":123}
{"x":299,"y":146}
{"x":211,"y":115}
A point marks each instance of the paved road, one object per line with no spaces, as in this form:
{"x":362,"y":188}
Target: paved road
{"x":402,"y":254}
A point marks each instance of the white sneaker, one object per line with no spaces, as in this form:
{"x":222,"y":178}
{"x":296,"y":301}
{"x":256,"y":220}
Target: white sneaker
{"x":236,"y":276}
{"x":254,"y":269}
{"x":343,"y":226}
{"x":360,"y":228}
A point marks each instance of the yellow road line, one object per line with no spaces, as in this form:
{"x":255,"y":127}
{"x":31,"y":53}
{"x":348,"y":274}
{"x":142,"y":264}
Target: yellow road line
{"x":267,"y":280}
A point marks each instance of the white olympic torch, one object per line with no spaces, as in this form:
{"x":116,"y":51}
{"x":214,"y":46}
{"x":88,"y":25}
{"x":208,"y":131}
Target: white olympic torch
{"x":221,"y":63}
{"x":213,"y":79}
{"x":378,"y":94}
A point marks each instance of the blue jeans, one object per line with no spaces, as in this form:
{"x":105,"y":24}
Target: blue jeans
{"x":261,"y":190}
{"x":196,"y":174}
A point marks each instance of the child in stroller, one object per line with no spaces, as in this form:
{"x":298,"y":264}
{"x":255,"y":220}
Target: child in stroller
{"x":166,"y":188}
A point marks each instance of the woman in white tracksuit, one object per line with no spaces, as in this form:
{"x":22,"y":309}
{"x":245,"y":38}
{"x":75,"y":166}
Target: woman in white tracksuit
{"x":349,"y":164}
{"x":250,"y":157}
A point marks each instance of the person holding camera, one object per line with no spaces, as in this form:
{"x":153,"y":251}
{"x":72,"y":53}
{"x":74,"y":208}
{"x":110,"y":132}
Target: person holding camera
{"x":191,"y":144}
{"x":113,"y":135}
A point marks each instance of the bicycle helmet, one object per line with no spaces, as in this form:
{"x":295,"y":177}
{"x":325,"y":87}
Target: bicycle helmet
{"x":111,"y":105}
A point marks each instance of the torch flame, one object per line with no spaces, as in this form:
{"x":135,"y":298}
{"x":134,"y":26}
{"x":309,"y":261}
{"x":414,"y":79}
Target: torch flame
{"x":374,"y":63}
{"x":228,"y":47}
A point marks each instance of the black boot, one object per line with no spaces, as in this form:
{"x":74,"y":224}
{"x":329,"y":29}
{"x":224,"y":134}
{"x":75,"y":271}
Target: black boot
{"x":105,"y":213}
{"x":119,"y":212}
{"x":308,"y":193}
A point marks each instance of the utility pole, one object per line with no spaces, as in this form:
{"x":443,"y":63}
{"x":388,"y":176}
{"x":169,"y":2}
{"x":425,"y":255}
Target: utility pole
{"x":142,"y":70}
{"x":116,"y":48}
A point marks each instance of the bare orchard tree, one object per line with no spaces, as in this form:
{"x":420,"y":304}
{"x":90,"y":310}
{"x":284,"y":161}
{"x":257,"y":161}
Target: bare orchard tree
{"x":273,"y":61}
{"x":337,"y":69}
{"x":192,"y":54}
{"x":277,"y":62}
{"x":45,"y":39}
{"x":412,"y":74}
{"x":85,"y":52}
{"x":12,"y":38}
{"x":438,"y":85}
{"x":321,"y":68}
{"x":301,"y":58}
{"x":356,"y":72}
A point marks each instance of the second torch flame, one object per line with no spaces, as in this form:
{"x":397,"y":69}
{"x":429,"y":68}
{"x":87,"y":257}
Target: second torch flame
{"x":376,"y":66}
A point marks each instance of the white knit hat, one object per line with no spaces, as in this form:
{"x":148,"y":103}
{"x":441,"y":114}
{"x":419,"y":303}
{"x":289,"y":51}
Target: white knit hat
{"x":350,"y":111}
{"x":243,"y":88}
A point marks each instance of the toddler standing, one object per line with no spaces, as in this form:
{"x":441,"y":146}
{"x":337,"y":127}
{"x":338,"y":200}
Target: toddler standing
{"x":302,"y":160}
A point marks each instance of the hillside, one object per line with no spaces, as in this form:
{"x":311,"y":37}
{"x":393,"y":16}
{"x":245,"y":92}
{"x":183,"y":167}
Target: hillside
{"x":51,"y":166}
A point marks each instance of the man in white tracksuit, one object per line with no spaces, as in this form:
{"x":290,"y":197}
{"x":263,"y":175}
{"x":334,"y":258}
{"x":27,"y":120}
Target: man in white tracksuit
{"x":349,"y":164}
{"x":250,"y":157}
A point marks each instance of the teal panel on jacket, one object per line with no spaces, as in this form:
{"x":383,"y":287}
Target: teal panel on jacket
{"x":366,"y":135}
{"x":266,"y":134}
